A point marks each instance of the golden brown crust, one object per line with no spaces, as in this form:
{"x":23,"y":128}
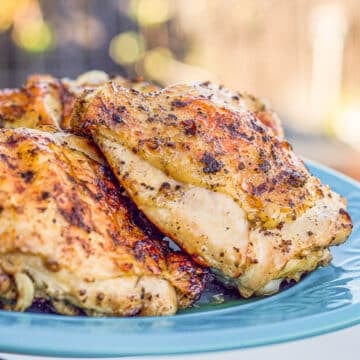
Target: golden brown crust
{"x":189,"y":136}
{"x":37,"y":105}
{"x":91,"y":80}
{"x":64,"y":207}
{"x":244,"y":102}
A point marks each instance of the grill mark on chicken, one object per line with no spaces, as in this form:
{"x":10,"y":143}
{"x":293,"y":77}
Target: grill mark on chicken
{"x":77,"y":215}
{"x":5,"y":158}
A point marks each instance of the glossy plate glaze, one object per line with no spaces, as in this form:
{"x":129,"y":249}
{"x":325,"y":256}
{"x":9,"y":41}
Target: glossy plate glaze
{"x":326,"y":300}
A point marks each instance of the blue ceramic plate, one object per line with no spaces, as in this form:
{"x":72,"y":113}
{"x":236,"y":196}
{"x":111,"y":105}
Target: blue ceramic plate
{"x":326,"y":300}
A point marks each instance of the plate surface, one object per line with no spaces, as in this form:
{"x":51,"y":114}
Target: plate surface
{"x":326,"y":300}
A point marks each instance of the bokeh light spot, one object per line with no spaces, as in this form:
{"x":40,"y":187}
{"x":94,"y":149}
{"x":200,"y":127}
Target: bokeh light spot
{"x":152,"y":12}
{"x":35,"y":36}
{"x":157,"y":63}
{"x":127,"y":47}
{"x":8,"y":11}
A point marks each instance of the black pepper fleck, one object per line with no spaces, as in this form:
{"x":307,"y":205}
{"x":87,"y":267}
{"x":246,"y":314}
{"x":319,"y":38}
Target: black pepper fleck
{"x":27,"y":176}
{"x":117,"y":118}
{"x":212,"y":165}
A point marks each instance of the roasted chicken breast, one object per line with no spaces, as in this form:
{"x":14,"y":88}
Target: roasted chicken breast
{"x":214,"y":173}
{"x":69,"y":235}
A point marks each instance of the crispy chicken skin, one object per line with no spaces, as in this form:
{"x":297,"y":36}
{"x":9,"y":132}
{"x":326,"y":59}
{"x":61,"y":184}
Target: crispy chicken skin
{"x":69,"y":235}
{"x":45,"y":102}
{"x":91,"y":80}
{"x":246,"y":102}
{"x":212,"y":174}
{"x":39,"y":104}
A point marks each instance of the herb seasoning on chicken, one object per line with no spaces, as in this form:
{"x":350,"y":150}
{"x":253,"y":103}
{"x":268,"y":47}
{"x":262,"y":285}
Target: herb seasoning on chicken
{"x":238,"y":199}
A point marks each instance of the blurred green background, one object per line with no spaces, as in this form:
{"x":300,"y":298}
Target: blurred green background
{"x":302,"y":55}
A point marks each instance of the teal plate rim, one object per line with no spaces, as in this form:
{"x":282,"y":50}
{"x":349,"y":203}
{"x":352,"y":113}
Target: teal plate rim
{"x":326,"y":300}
